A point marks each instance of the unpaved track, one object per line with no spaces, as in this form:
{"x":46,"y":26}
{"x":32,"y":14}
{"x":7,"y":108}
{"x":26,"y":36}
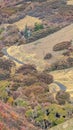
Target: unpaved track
{"x":43,"y":46}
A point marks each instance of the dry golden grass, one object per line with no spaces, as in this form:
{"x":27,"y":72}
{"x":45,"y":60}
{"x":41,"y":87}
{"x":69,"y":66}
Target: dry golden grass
{"x":65,"y":77}
{"x":25,"y":57}
{"x":34,"y":52}
{"x":28,"y":20}
{"x":70,"y":2}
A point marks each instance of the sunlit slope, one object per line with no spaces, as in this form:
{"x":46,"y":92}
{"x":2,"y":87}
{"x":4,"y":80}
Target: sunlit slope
{"x":34,"y":52}
{"x":65,"y":77}
{"x":70,"y":2}
{"x":28,"y":20}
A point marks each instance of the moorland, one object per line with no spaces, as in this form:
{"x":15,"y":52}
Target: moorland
{"x":36,"y":64}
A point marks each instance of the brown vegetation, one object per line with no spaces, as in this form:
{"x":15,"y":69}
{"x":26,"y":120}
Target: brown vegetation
{"x":6,"y":64}
{"x":35,"y":89}
{"x":44,"y":77}
{"x":47,"y":56}
{"x":12,"y":36}
{"x":62,"y":46}
{"x":27,"y":69}
{"x":61,"y":64}
{"x":62,"y":97}
{"x":4,"y":74}
{"x":66,"y":53}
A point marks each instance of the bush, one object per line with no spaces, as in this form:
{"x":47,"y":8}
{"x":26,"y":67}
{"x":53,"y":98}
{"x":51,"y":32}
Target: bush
{"x":56,"y":116}
{"x":47,"y":56}
{"x":1,"y":29}
{"x":70,"y":61}
{"x":29,"y":113}
{"x":6,"y":64}
{"x":27,"y":69}
{"x":46,"y":97}
{"x":66,"y":53}
{"x":38,"y":27}
{"x":62,"y":46}
{"x":35,"y":89}
{"x":1,"y":54}
{"x":61,"y":64}
{"x":4,"y":76}
{"x":42,"y":33}
{"x":62,"y":97}
{"x":29,"y":81}
{"x":22,"y":103}
{"x":44,"y":77}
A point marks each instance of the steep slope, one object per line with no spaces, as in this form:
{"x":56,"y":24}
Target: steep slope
{"x":11,"y":120}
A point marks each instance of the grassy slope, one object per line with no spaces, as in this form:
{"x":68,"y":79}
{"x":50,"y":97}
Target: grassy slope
{"x":40,"y":48}
{"x":65,"y":77}
{"x":70,"y":2}
{"x":28,"y":20}
{"x":34,"y":52}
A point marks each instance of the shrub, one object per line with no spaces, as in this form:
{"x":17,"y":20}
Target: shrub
{"x":47,"y":56}
{"x":69,"y":109}
{"x":70,"y":61}
{"x":4,"y":76}
{"x":42,"y":33}
{"x":44,"y":77}
{"x":62,"y":97}
{"x":12,"y":29}
{"x":35,"y":89}
{"x":6,"y":64}
{"x":15,"y":86}
{"x":38,"y":26}
{"x":1,"y":54}
{"x":29,"y":81}
{"x":29,"y":113}
{"x":60,"y":64}
{"x":21,"y":102}
{"x":1,"y":30}
{"x":26,"y":31}
{"x":26,"y":69}
{"x":66,"y":53}
{"x":45,"y":97}
{"x":62,"y":46}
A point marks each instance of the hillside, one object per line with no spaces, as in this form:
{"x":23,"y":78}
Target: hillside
{"x":52,"y":13}
{"x":65,"y":77}
{"x":70,"y":2}
{"x":36,"y":65}
{"x":41,"y":47}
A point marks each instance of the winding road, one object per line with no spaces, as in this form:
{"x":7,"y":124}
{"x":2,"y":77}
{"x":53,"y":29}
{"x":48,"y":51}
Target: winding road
{"x":4,"y":50}
{"x":62,"y":87}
